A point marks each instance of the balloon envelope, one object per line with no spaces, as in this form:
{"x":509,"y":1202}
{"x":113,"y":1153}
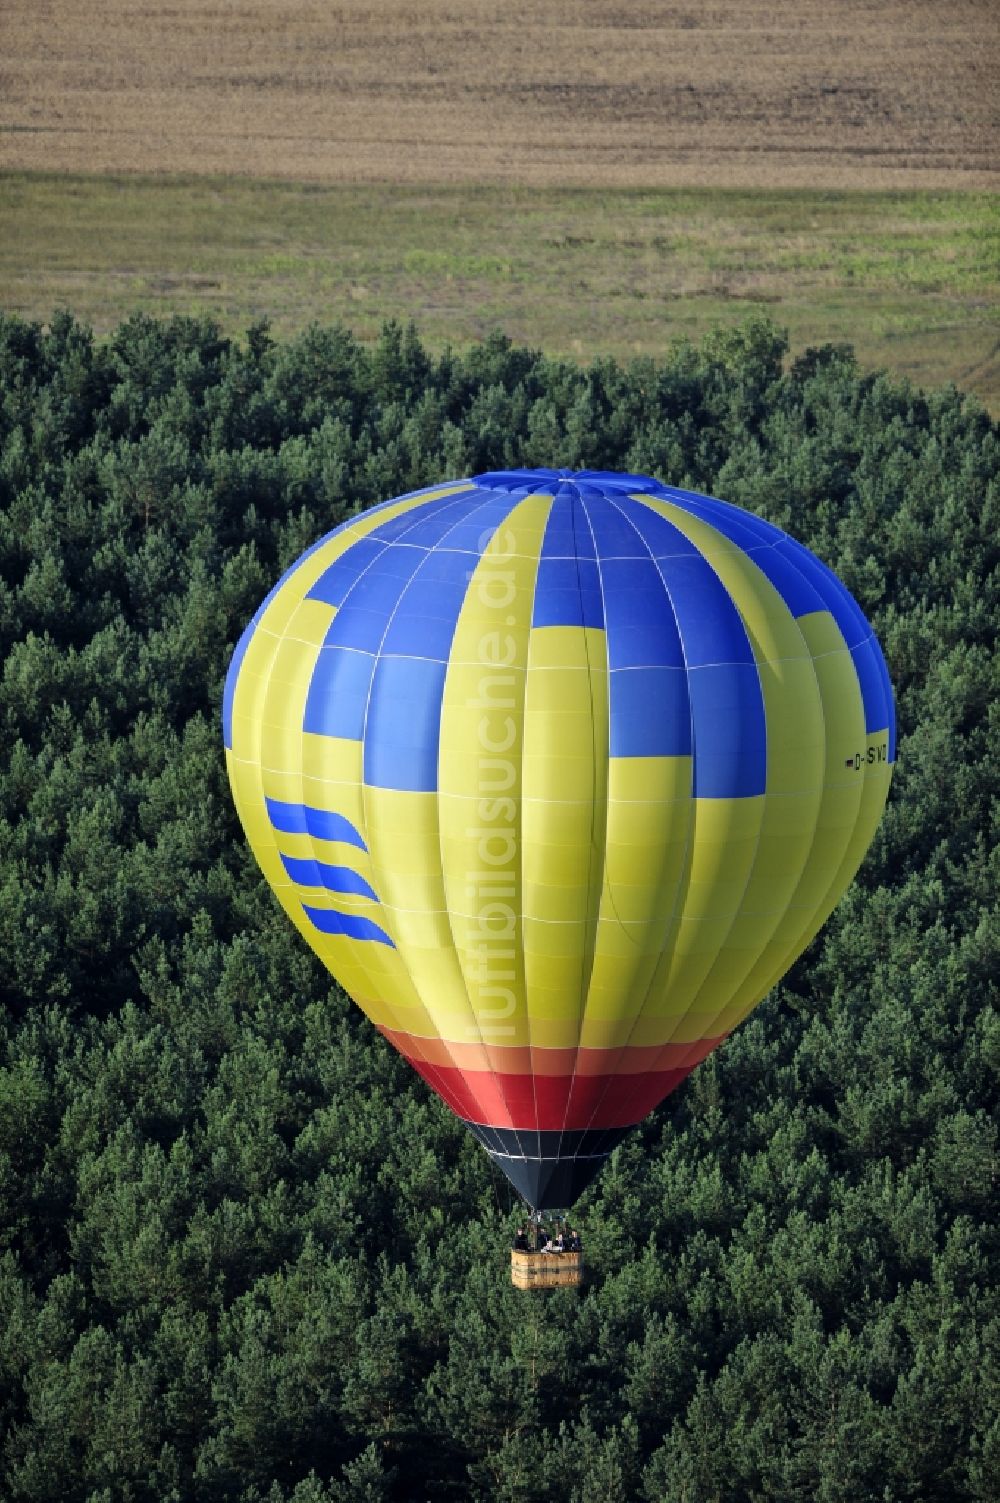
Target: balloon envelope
{"x":558,"y":773}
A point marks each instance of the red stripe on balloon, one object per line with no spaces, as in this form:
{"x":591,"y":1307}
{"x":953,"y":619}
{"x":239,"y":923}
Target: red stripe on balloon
{"x":550,"y":1103}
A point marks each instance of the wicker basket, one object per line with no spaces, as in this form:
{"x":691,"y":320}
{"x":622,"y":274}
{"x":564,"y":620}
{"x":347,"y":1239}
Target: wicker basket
{"x":538,"y":1270}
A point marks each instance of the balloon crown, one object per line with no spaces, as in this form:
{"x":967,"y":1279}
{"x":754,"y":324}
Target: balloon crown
{"x":564,"y":482}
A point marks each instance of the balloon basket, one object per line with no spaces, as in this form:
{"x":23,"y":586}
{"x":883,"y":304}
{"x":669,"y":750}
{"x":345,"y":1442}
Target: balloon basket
{"x":540,"y":1270}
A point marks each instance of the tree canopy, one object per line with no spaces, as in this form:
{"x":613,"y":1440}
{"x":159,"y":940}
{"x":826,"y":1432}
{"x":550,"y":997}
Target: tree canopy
{"x":244,"y":1254}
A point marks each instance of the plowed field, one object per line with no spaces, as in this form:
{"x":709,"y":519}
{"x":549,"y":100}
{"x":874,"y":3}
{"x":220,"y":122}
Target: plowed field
{"x":801,"y":93}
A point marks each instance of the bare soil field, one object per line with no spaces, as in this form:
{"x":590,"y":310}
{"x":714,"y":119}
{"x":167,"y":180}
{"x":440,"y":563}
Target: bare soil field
{"x":791,"y":93}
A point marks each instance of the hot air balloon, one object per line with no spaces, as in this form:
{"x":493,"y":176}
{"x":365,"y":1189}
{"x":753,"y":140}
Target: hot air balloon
{"x":558,"y":772}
